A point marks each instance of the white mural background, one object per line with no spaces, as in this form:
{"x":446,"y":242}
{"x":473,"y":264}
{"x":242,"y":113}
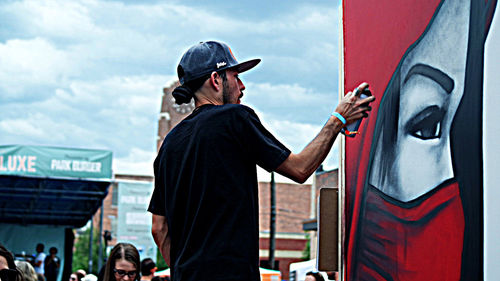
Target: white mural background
{"x":491,"y":151}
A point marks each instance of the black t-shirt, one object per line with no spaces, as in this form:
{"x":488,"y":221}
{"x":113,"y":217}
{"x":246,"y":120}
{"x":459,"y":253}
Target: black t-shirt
{"x":206,"y":187}
{"x":51,"y":267}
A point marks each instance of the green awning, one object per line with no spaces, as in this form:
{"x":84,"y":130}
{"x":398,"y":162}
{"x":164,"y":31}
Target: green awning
{"x":55,"y":162}
{"x":52,"y":186}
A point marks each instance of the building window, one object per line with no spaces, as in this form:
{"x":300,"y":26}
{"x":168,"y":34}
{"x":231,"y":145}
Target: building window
{"x":114,"y":226}
{"x":114,"y":195}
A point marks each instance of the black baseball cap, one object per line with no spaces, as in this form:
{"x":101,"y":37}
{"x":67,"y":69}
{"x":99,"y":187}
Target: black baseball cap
{"x":205,"y":57}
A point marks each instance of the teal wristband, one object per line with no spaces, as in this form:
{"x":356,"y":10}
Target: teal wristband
{"x":340,"y":117}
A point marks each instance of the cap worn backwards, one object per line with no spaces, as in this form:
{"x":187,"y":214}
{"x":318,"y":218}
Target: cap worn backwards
{"x":206,"y":57}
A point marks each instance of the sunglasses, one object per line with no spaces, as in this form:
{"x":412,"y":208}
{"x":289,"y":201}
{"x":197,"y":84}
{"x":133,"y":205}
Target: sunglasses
{"x":122,"y":273}
{"x":8,"y":274}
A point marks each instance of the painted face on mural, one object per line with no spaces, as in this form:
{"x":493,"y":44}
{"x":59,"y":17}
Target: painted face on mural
{"x":431,"y":85}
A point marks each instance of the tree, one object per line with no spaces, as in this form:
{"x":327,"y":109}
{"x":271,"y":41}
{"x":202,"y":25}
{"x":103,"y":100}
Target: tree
{"x":306,"y":253}
{"x":160,"y":262}
{"x":81,"y":251}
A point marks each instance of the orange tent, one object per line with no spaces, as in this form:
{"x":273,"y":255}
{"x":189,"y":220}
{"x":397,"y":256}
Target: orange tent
{"x":265,"y":274}
{"x":269,"y":275}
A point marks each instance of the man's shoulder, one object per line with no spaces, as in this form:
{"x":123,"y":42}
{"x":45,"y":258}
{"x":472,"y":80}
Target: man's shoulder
{"x":219,"y":113}
{"x":229,"y":108}
{"x":238,"y":110}
{"x":239,"y":107}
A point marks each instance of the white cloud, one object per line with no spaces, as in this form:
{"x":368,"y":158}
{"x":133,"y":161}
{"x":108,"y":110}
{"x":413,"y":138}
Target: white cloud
{"x":296,"y":136}
{"x":25,"y":127}
{"x":264,"y":176}
{"x":28,"y":62}
{"x":119,"y":113}
{"x":56,"y":18}
{"x":290,"y":102}
{"x":125,"y":94}
{"x":137,"y":162}
{"x":101,"y":38}
{"x":40,"y":128}
{"x":285,"y":94}
{"x":89,"y":73}
{"x":81,"y":40}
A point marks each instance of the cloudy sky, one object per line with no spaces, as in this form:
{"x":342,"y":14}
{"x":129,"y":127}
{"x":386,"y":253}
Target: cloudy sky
{"x":89,"y":74}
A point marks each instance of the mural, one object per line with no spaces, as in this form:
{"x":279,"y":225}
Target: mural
{"x":414,"y":176}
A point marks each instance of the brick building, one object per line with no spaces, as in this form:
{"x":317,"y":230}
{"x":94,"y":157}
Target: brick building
{"x":292,"y":208}
{"x":110,"y":205}
{"x":295,"y":203}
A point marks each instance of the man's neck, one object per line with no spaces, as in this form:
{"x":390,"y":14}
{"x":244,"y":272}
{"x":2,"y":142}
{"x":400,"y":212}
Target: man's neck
{"x":207,"y":95}
{"x":203,"y":101}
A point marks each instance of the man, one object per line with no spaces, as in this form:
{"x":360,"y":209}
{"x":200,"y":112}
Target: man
{"x":38,"y":263}
{"x":51,"y":265}
{"x":148,"y":269}
{"x":205,"y":202}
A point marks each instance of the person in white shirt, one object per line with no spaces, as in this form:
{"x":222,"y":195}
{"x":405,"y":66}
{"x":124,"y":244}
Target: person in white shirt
{"x":39,"y":259}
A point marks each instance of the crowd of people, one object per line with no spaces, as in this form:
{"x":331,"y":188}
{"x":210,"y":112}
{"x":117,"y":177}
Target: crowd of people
{"x":42,"y":268}
{"x":123,"y":264}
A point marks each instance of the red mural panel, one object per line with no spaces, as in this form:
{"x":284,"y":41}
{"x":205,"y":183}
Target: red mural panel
{"x":414,"y":187}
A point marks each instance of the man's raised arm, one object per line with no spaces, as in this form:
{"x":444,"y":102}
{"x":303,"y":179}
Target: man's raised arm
{"x":299,"y":167}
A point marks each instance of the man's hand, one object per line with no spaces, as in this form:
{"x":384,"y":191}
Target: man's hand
{"x":352,"y":108}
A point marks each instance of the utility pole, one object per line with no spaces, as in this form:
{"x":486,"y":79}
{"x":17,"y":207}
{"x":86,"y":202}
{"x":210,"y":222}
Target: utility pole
{"x":99,"y":266}
{"x":90,"y":243}
{"x":272,"y":236}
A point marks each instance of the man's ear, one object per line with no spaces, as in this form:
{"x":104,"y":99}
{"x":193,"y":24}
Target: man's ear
{"x":214,"y":81}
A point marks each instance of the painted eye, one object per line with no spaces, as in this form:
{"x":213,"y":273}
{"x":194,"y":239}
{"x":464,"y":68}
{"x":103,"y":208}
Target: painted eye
{"x":429,"y":132}
{"x":426,"y":124}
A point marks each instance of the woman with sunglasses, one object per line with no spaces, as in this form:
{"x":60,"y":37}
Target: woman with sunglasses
{"x":123,"y":264}
{"x":8,"y":269}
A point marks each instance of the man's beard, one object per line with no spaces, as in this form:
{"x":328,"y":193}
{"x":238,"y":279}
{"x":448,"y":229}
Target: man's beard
{"x":225,"y":92}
